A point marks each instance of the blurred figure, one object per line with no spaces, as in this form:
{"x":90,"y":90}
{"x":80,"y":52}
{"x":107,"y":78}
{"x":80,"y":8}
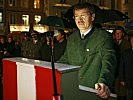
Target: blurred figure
{"x":45,"y":49}
{"x":120,"y":45}
{"x":126,"y":70}
{"x":31,"y":49}
{"x":59,"y":45}
{"x":25,"y":44}
{"x":18,"y":48}
{"x":10,"y":47}
{"x":126,"y":37}
{"x":3,"y":47}
{"x":3,"y":50}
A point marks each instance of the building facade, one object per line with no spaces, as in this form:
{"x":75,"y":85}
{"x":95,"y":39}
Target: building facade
{"x":29,"y":12}
{"x":22,"y":12}
{"x":1,"y":16}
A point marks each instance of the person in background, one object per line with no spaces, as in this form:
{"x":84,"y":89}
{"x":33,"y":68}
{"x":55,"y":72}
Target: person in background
{"x":3,"y":47}
{"x":120,"y":45}
{"x":126,"y":70}
{"x":92,"y":49}
{"x":59,"y":46}
{"x":25,"y":44}
{"x":10,"y":47}
{"x":33,"y":47}
{"x":3,"y":51}
{"x":126,"y":37}
{"x":119,"y":34}
{"x":45,"y":49}
{"x":18,"y":48}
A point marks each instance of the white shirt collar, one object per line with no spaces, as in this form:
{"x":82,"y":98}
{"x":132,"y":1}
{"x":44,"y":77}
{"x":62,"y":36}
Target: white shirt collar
{"x":119,"y":42}
{"x":86,"y":32}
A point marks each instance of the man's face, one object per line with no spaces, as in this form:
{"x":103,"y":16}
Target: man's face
{"x":9,"y":40}
{"x":83,"y":19}
{"x":118,"y":34}
{"x":2,"y":40}
{"x":59,"y":37}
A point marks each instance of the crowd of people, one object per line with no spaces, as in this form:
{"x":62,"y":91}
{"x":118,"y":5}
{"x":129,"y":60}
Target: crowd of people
{"x":33,"y":46}
{"x":105,"y":58}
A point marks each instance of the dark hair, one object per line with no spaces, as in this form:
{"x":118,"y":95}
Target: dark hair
{"x":49,"y":33}
{"x":85,"y":5}
{"x":62,"y":32}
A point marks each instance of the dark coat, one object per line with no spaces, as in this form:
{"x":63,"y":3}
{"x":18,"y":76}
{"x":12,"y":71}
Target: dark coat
{"x":126,"y":68}
{"x":120,"y":48}
{"x":59,"y":48}
{"x":31,"y":50}
{"x":95,"y":55}
{"x":11,"y":49}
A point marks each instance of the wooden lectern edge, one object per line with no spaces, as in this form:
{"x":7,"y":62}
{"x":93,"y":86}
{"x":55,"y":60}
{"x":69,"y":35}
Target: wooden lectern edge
{"x":84,"y":88}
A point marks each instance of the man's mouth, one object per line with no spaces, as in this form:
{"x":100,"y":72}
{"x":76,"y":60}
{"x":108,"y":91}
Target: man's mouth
{"x":81,"y":23}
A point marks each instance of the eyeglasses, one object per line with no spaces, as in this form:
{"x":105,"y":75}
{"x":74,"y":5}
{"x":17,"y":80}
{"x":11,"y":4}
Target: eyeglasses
{"x":81,"y":16}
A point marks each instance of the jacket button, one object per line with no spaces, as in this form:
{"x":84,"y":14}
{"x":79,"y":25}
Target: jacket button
{"x":87,"y":49}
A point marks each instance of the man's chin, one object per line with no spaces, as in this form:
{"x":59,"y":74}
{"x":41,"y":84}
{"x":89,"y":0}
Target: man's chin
{"x":82,"y":28}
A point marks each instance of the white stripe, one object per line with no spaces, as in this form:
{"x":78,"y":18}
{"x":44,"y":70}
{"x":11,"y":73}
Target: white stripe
{"x":26,"y":81}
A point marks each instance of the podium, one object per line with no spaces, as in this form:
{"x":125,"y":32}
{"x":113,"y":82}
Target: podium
{"x":27,"y":79}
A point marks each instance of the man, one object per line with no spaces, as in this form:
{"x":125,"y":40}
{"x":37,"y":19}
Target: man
{"x":120,"y":45}
{"x":92,"y":49}
{"x":59,"y":46}
{"x":126,"y":70}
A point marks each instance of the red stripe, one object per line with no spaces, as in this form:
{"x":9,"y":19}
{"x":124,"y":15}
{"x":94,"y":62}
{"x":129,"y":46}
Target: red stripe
{"x":44,"y":83}
{"x":9,"y":80}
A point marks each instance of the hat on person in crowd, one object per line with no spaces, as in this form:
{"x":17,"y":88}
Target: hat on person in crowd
{"x":49,"y":33}
{"x":26,"y":34}
{"x":119,"y":28}
{"x":35,"y":35}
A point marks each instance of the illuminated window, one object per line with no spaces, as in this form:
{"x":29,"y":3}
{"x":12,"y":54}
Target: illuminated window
{"x":25,"y":19}
{"x":36,"y":3}
{"x":12,"y":2}
{"x":12,"y":19}
{"x":0,"y":16}
{"x":37,"y":18}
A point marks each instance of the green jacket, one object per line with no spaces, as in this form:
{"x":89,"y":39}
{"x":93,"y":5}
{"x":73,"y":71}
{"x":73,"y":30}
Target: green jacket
{"x":95,"y":54}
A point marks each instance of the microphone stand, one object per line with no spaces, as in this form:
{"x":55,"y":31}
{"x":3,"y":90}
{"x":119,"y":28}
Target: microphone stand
{"x":56,"y":95}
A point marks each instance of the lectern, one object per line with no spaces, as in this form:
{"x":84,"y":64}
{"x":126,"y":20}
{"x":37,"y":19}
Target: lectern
{"x":27,"y":79}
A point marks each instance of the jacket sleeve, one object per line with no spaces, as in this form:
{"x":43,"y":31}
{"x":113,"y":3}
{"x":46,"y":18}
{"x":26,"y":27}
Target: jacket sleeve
{"x":109,"y":61}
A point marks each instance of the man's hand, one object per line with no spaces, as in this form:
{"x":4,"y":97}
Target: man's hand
{"x":103,"y":90}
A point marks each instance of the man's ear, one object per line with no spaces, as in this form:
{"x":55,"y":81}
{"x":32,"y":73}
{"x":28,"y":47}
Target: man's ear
{"x":93,"y":17}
